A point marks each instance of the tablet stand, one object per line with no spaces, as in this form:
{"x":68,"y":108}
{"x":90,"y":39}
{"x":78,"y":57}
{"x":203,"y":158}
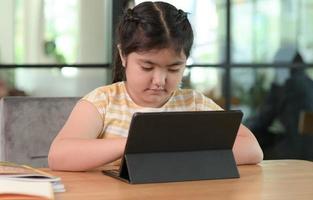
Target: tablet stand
{"x":179,"y":166}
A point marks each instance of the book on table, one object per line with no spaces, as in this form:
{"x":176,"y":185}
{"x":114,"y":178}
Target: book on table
{"x":27,"y":177}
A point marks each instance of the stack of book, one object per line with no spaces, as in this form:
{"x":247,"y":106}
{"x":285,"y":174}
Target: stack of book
{"x":25,"y":182}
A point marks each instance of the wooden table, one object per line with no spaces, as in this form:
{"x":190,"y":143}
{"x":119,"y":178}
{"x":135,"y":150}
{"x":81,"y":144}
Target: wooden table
{"x":276,"y":179}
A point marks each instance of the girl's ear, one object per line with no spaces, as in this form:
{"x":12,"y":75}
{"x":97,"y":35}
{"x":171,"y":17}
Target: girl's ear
{"x":123,"y":58}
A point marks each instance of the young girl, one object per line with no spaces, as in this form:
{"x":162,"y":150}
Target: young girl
{"x":154,"y":41}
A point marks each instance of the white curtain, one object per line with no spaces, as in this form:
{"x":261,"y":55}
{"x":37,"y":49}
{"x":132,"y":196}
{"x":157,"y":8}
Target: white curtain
{"x":33,"y":30}
{"x":94,"y":31}
{"x":7,"y":32}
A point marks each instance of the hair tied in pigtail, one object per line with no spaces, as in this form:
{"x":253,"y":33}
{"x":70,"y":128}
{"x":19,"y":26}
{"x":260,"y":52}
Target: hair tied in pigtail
{"x":181,"y":16}
{"x":130,"y":16}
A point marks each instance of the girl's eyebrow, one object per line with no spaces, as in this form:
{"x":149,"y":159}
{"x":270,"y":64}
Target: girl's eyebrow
{"x":147,"y":61}
{"x":170,"y":65}
{"x":176,"y":63}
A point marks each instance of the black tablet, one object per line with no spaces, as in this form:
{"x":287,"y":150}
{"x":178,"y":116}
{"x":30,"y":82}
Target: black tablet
{"x":180,"y":146}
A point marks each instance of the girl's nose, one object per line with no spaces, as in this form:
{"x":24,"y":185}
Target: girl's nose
{"x":159,"y":78}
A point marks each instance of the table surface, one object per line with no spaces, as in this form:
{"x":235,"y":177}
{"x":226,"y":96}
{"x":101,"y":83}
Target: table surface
{"x":272,"y":179}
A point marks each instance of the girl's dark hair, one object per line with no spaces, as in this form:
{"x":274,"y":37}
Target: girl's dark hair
{"x":151,"y":25}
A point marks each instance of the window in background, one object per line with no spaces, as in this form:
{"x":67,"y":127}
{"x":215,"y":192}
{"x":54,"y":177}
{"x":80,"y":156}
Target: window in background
{"x":274,"y":32}
{"x":19,"y":46}
{"x":208,"y":80}
{"x":62,"y":32}
{"x":60,"y":82}
{"x":57,"y":32}
{"x":278,"y":108}
{"x":261,"y":27}
{"x":46,"y":31}
{"x":249,"y":87}
{"x":255,"y":30}
{"x":305,"y":32}
{"x":273,"y":96}
{"x":208,"y":21}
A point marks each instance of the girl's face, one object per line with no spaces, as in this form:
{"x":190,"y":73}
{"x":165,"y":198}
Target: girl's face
{"x":152,"y":76}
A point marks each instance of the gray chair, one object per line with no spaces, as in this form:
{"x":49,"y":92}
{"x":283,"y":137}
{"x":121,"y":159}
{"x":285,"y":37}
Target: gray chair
{"x":28,"y":126}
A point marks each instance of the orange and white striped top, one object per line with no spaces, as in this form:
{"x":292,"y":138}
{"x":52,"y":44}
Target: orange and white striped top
{"x":117,"y":108}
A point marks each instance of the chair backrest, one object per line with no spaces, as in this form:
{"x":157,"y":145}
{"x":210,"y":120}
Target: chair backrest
{"x":306,"y":123}
{"x":28,"y":126}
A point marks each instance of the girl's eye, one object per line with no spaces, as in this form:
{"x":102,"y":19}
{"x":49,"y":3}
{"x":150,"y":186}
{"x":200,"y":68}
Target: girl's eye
{"x":173,"y":69}
{"x":146,"y":68}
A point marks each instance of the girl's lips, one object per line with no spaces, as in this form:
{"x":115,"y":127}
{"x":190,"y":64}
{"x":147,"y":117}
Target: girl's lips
{"x":157,"y":91}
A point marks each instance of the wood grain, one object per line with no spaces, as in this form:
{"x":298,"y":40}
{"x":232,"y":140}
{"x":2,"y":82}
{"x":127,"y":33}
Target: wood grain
{"x":276,"y":179}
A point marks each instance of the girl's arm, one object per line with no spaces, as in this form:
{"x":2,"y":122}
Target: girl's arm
{"x":246,"y":148}
{"x":76,"y":147}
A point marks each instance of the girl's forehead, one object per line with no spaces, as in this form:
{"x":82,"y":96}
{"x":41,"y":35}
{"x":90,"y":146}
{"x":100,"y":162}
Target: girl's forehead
{"x":166,"y":52}
{"x":165,"y":57}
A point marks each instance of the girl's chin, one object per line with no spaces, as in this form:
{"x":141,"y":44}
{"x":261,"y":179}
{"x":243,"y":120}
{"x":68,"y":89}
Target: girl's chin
{"x":156,"y":101}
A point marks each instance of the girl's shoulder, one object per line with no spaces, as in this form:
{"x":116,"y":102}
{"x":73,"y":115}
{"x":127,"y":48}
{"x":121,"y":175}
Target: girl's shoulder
{"x":187,"y":93}
{"x":197,"y":99}
{"x":104,"y":92}
{"x":117,"y":87}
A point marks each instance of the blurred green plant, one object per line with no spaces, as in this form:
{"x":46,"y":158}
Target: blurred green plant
{"x":255,"y":95}
{"x":50,"y":49}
